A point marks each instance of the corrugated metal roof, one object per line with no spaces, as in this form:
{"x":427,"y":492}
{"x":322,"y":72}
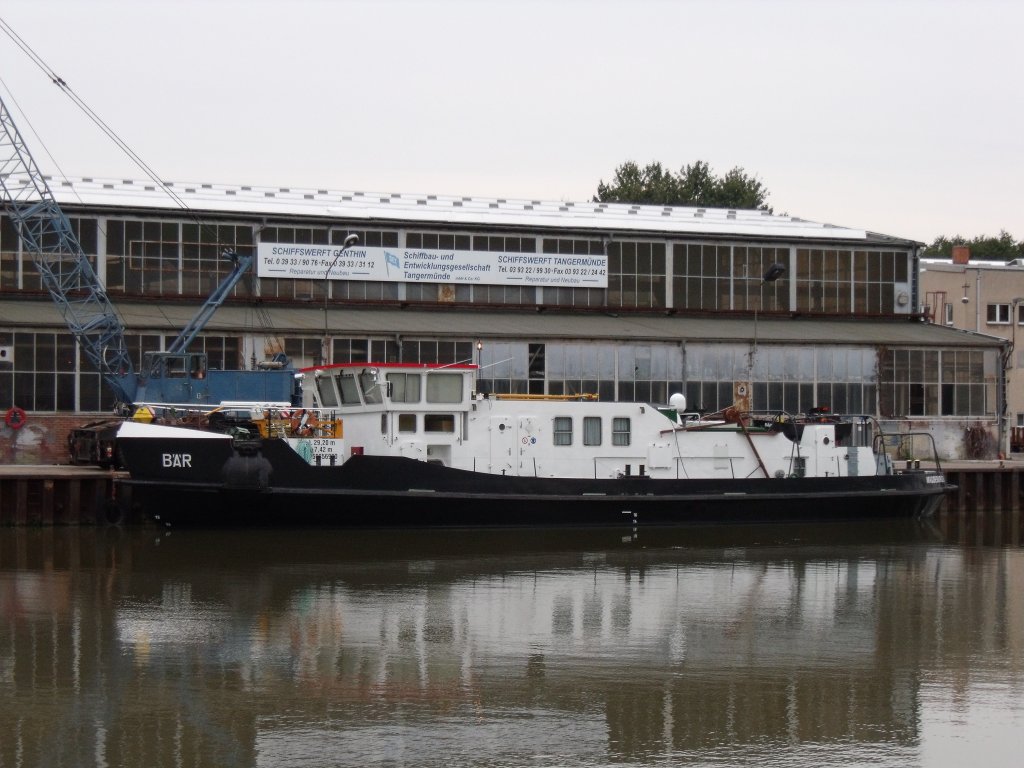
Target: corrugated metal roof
{"x":654,"y":220}
{"x":469,"y":324}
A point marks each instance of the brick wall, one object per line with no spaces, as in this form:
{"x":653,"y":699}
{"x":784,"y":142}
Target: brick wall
{"x":42,"y":440}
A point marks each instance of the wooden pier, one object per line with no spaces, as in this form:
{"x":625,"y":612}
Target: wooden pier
{"x":45,"y":495}
{"x":983,"y":485}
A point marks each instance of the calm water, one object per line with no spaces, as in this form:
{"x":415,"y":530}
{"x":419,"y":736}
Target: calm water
{"x":888,"y":645}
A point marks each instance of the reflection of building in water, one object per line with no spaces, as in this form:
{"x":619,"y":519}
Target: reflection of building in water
{"x":151,"y":656}
{"x":678,"y":655}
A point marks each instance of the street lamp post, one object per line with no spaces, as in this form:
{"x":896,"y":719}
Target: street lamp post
{"x":351,"y":240}
{"x":773,"y":273}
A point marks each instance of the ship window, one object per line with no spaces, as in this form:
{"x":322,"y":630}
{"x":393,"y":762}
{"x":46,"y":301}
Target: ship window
{"x":405,"y":387}
{"x":407,"y":422}
{"x":368,"y":383}
{"x":620,"y":431}
{"x":563,"y":430}
{"x":438,"y":422}
{"x":349,"y":390}
{"x":325,"y":388}
{"x":591,"y":430}
{"x":444,"y":388}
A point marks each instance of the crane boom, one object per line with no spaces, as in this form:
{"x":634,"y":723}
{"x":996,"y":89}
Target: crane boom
{"x":241,"y":265}
{"x":66,"y":271}
{"x":68,"y":275}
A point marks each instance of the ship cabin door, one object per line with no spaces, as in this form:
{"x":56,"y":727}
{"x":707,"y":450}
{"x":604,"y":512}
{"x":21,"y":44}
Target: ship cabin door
{"x":504,"y":445}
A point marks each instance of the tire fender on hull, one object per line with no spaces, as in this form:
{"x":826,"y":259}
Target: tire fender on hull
{"x":250,"y":472}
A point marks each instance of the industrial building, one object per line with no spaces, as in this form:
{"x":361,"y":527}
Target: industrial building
{"x":984,"y":297}
{"x":627,"y":302}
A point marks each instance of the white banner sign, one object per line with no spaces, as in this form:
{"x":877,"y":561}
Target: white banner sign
{"x":419,"y":265}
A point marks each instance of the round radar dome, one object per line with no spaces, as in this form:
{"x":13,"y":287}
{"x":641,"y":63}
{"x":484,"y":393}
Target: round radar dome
{"x":678,"y":401}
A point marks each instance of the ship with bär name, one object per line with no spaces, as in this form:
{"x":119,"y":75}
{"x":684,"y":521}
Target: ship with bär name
{"x":390,"y":444}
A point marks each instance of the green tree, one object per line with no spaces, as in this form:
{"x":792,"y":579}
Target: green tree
{"x":651,"y":185}
{"x":984,"y":248}
{"x":698,"y":185}
{"x":693,"y":185}
{"x":738,"y":190}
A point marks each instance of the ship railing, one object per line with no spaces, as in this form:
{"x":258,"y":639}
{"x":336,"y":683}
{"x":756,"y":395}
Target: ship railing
{"x":910,"y":447}
{"x":246,"y":419}
{"x":190,"y":415}
{"x":299,"y":422}
{"x":551,"y":398}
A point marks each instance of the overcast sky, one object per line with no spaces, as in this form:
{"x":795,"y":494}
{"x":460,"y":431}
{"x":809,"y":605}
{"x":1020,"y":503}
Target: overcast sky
{"x":900,"y":117}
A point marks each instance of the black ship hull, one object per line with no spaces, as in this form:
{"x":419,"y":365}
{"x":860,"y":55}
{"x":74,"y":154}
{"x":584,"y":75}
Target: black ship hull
{"x":206,"y":482}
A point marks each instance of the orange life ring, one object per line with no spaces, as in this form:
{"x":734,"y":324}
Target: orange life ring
{"x":15,"y":418}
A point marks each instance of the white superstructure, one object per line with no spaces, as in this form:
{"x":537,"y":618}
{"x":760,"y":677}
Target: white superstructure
{"x":434,"y":414}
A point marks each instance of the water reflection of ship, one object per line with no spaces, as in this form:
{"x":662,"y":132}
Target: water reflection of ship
{"x":636,"y":648}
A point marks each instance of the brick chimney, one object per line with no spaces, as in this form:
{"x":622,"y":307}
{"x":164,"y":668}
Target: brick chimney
{"x":961,"y":254}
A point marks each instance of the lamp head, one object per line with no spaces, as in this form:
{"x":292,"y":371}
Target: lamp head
{"x":350,"y":240}
{"x":774,"y":272}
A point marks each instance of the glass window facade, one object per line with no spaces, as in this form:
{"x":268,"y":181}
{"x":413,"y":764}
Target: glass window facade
{"x":701,"y":276}
{"x":304,"y":352}
{"x":17,"y":270}
{"x":637,"y":276}
{"x":950,"y":382}
{"x":169,"y":257}
{"x":165,"y":256}
{"x":612,"y":371}
{"x":782,"y":378}
{"x":841,"y":281}
{"x":749,"y":289}
{"x":402,"y":351}
{"x":49,"y":372}
{"x":728,"y":277}
{"x":10,"y":260}
{"x":42,"y":375}
{"x":223,"y":353}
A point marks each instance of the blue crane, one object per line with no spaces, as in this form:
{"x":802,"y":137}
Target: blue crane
{"x":173,"y":376}
{"x":65,"y":269}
